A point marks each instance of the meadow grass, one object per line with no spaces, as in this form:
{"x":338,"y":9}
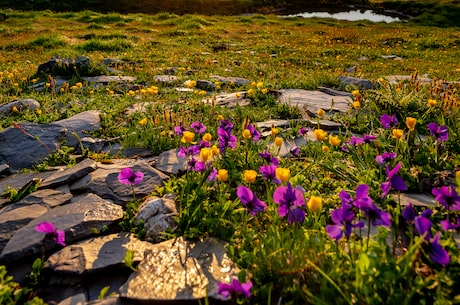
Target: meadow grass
{"x":291,"y":255}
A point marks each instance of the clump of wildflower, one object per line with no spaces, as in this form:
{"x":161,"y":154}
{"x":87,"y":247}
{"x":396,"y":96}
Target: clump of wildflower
{"x":251,"y":133}
{"x":315,"y":204}
{"x":198,"y":127}
{"x":385,"y":157}
{"x":187,"y":137}
{"x":143,"y":122}
{"x":302,"y":131}
{"x":290,"y":203}
{"x":321,"y":112}
{"x":334,"y":140}
{"x":278,"y":141}
{"x":397,"y":133}
{"x":448,"y":197}
{"x":431,"y":102}
{"x":225,"y":136}
{"x":234,"y":289}
{"x":344,"y":221}
{"x":388,"y":121}
{"x":58,"y":236}
{"x":268,"y":172}
{"x":250,"y":201}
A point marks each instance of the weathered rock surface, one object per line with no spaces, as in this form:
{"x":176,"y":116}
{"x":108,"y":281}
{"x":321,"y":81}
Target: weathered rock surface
{"x":233,"y":81}
{"x":358,"y":82}
{"x":64,"y":66}
{"x":20,"y":105}
{"x":79,"y":125}
{"x":179,"y":270}
{"x":313,"y":100}
{"x":229,"y":100}
{"x":69,"y":175}
{"x":169,"y":162}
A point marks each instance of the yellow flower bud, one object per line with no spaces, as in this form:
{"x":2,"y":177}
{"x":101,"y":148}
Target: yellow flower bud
{"x":222,"y":175}
{"x":260,"y":85}
{"x":321,"y":113}
{"x":398,"y":133}
{"x":246,"y":134}
{"x":431,"y":102}
{"x":315,"y":203}
{"x":275,"y":131}
{"x":334,"y":141}
{"x":250,"y":175}
{"x":205,"y":154}
{"x":187,"y":137}
{"x":325,"y":149}
{"x":143,"y":122}
{"x":264,"y":90}
{"x":207,"y":137}
{"x":220,"y":117}
{"x":355,"y":92}
{"x":356,"y":104}
{"x":410,"y":123}
{"x":283,"y":174}
{"x":14,"y":109}
{"x":251,"y":91}
{"x":319,"y":134}
{"x":215,"y":150}
{"x":278,"y":141}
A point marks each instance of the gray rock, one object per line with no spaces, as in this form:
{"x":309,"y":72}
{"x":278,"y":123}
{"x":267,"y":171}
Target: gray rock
{"x":168,"y":162}
{"x":165,"y":79}
{"x":395,"y":79}
{"x":80,"y":124}
{"x":233,"y":81}
{"x":98,"y":253}
{"x":25,"y":104}
{"x":14,"y":220}
{"x":107,"y":79}
{"x":19,"y":181}
{"x":47,"y":198}
{"x":229,"y":100}
{"x":69,"y":175}
{"x":416,"y":199}
{"x":79,"y":220}
{"x":4,"y":169}
{"x":77,"y":299}
{"x":64,"y":66}
{"x":178,"y":270}
{"x":358,"y":82}
{"x":314,"y":100}
{"x":326,"y":124}
{"x":267,"y":125}
{"x":27,"y":144}
{"x":104,"y":181}
{"x":157,"y":215}
{"x":205,"y":85}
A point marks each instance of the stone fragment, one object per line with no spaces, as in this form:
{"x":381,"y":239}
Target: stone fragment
{"x":205,"y":85}
{"x":396,"y":79}
{"x":416,"y":199}
{"x":178,"y":270}
{"x":77,"y":299}
{"x":267,"y":125}
{"x":233,"y":81}
{"x":229,"y":100}
{"x":20,"y":105}
{"x":79,"y":125}
{"x":46,"y":197}
{"x":97,"y":253}
{"x":165,"y":79}
{"x":81,"y":219}
{"x":313,"y":100}
{"x":104,"y":181}
{"x":326,"y":124}
{"x":4,"y":170}
{"x":64,"y":66}
{"x":11,"y":221}
{"x":358,"y":82}
{"x":168,"y":162}
{"x":157,"y":214}
{"x":104,"y":80}
{"x":69,"y":175}
{"x":19,"y":181}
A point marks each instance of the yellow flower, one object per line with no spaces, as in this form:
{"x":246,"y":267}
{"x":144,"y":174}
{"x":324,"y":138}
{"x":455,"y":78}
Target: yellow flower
{"x":356,"y":104}
{"x":250,"y":175}
{"x":48,"y":85}
{"x":278,"y":141}
{"x":39,"y":111}
{"x":319,"y":134}
{"x":191,"y":84}
{"x":410,"y":123}
{"x":131,"y":93}
{"x":246,"y":134}
{"x":14,"y":109}
{"x":260,"y":85}
{"x":163,"y":133}
{"x":220,"y":117}
{"x":431,"y":102}
{"x":187,"y":137}
{"x":325,"y":149}
{"x":34,"y":80}
{"x":207,"y":137}
{"x":215,"y":150}
{"x":16,"y":85}
{"x":222,"y":175}
{"x":283,"y":174}
{"x":334,"y":141}
{"x":61,"y":89}
{"x":275,"y":131}
{"x":205,"y":154}
{"x":238,"y":95}
{"x":143,"y":122}
{"x":79,"y":84}
{"x":251,"y":91}
{"x":315,"y":203}
{"x":321,"y":112}
{"x":264,"y":90}
{"x":398,"y":133}
{"x":91,"y":92}
{"x":355,"y":92}
{"x":73,"y":87}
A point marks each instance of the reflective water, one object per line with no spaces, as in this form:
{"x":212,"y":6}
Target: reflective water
{"x":350,"y":15}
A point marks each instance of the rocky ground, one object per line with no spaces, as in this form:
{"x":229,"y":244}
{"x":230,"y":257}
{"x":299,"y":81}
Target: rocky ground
{"x":87,"y":202}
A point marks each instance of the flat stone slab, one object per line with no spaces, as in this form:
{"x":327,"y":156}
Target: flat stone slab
{"x":69,"y":175}
{"x":416,"y":199}
{"x":79,"y":220}
{"x":81,"y":124}
{"x":47,"y":197}
{"x":166,"y":79}
{"x":313,"y":100}
{"x":169,"y":162}
{"x":179,"y":270}
{"x":233,"y":81}
{"x":230,"y":100}
{"x":24,"y":104}
{"x":18,"y":181}
{"x":358,"y":82}
{"x":107,"y":79}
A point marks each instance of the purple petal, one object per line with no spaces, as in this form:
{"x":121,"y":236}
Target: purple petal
{"x":296,"y":215}
{"x":244,"y":194}
{"x":60,"y":237}
{"x":334,"y":231}
{"x":436,"y":252}
{"x":409,"y":213}
{"x":45,"y":227}
{"x":398,"y":183}
{"x":423,"y":226}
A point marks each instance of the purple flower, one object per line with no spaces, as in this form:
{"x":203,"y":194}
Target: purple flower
{"x":342,"y":218}
{"x":250,"y":201}
{"x":409,"y":214}
{"x":448,"y":197}
{"x":234,"y":289}
{"x":179,"y":130}
{"x":448,"y":225}
{"x":198,"y":127}
{"x":266,"y":155}
{"x":195,"y":165}
{"x":193,"y":150}
{"x":436,"y":252}
{"x":367,"y":138}
{"x":290,"y":202}
{"x":440,"y":133}
{"x":394,"y":180}
{"x":385,"y":157}
{"x":48,"y":228}
{"x":302,"y":131}
{"x":268,"y":172}
{"x":388,"y":122}
{"x":372,"y":212}
{"x":128,"y":176}
{"x":225,"y":136}
{"x":255,"y":134}
{"x":212,"y":175}
{"x":295,"y":151}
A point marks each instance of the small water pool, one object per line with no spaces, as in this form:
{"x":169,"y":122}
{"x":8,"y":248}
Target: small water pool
{"x":353,"y":15}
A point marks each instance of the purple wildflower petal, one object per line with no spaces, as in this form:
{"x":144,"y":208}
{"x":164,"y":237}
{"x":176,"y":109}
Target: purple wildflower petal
{"x":436,"y":252}
{"x":128,"y":176}
{"x":198,"y":127}
{"x":335,"y":232}
{"x":212,"y":175}
{"x":45,"y":227}
{"x":409,"y":213}
{"x":423,"y":226}
{"x":398,"y":183}
{"x":296,"y":215}
{"x":60,"y":237}
{"x":250,"y":201}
